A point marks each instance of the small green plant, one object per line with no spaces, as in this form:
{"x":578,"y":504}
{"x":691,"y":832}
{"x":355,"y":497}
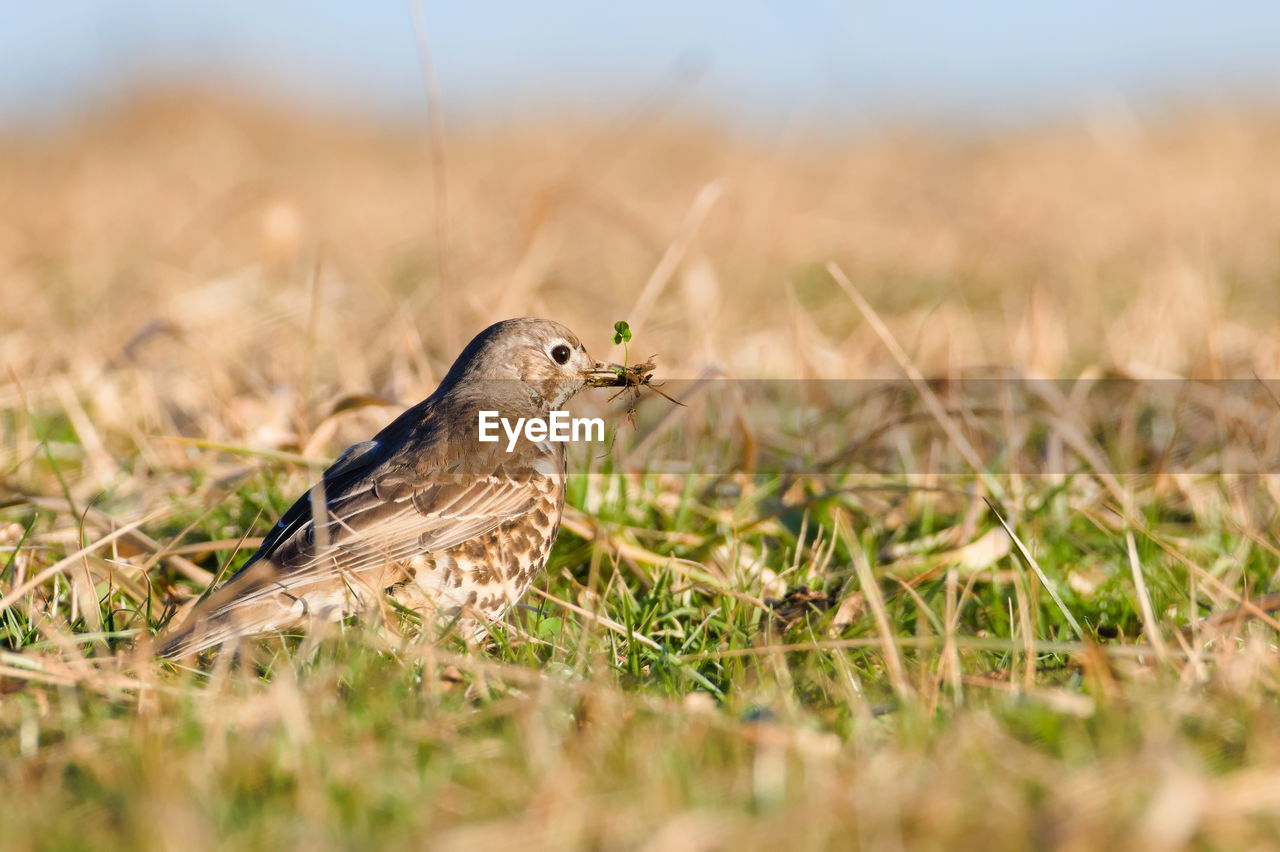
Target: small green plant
{"x":622,"y":334}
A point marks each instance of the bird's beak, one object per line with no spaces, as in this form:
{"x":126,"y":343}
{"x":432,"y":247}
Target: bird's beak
{"x":604,"y":375}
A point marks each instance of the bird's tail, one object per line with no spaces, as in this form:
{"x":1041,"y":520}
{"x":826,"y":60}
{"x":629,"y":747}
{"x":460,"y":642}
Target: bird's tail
{"x":251,"y":603}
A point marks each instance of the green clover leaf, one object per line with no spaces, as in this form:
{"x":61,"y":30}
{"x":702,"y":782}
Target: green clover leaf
{"x":621,"y":332}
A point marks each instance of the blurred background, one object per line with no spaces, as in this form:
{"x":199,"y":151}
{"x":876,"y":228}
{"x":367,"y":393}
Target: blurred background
{"x":768,"y":63}
{"x":243,"y":212}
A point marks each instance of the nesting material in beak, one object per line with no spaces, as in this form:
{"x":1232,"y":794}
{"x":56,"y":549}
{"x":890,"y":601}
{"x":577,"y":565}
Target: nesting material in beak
{"x":616,"y":376}
{"x":604,"y":375}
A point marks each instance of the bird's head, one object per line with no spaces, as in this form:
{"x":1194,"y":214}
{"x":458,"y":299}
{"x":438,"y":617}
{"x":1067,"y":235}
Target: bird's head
{"x":526,"y":366}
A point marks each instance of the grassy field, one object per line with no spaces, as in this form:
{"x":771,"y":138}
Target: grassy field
{"x":202,"y":302}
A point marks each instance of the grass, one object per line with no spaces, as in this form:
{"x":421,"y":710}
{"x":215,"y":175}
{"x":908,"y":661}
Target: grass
{"x":833,"y":633}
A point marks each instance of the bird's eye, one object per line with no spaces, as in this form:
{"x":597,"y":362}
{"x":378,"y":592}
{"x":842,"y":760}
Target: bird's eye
{"x":560,"y":354}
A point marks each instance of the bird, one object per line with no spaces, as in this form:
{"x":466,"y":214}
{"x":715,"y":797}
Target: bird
{"x":426,"y":512}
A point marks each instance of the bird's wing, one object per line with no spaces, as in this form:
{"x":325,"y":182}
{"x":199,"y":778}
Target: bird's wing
{"x":356,"y":461}
{"x":380,"y":510}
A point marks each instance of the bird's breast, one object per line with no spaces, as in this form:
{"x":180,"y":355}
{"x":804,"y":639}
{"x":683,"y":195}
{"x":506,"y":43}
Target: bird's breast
{"x":485,"y":576}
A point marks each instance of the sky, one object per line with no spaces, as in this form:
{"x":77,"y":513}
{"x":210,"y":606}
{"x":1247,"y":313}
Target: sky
{"x":755,"y":60}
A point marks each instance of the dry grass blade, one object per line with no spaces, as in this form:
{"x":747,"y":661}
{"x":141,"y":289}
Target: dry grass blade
{"x":935,"y":407}
{"x":216,"y":546}
{"x":875,"y":601}
{"x":271,"y":455}
{"x":706,"y":199}
{"x":1258,"y":607}
{"x":602,"y":620}
{"x":1044,"y":578}
{"x":105,"y":523}
{"x":587,"y":528}
{"x":1150,"y":627}
{"x":61,"y":565}
{"x":968,"y":643}
{"x":25,"y":674}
